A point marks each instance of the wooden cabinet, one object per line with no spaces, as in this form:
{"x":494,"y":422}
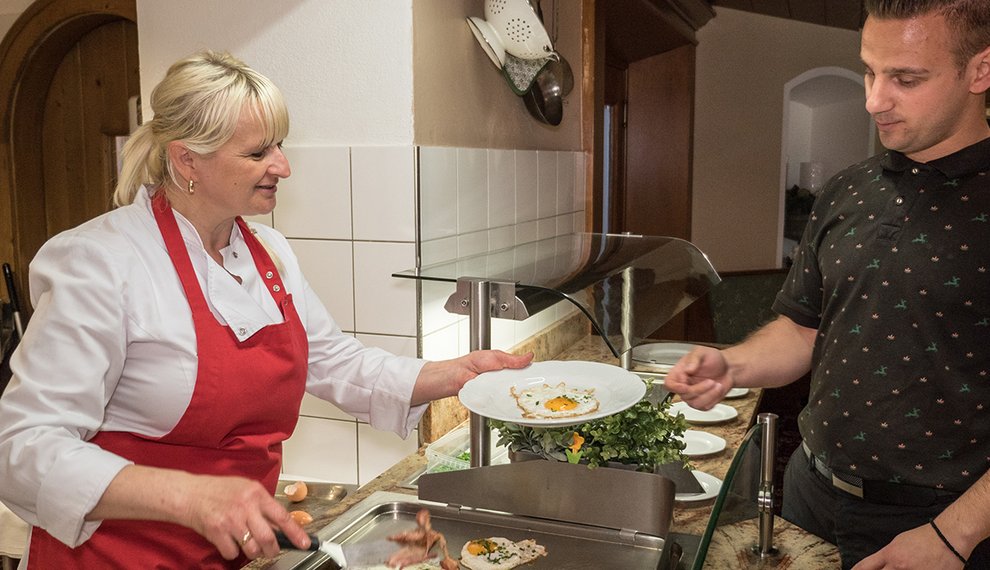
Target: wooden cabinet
{"x":642,"y":64}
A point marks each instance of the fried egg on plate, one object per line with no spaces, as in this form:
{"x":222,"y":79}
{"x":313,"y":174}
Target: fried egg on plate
{"x":550,"y":402}
{"x":497,"y":553}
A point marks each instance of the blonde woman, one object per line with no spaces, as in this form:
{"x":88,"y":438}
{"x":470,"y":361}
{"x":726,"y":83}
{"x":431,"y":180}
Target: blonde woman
{"x":172,"y":343}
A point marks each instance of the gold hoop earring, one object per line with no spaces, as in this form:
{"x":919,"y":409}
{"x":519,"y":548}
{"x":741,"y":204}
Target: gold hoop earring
{"x":191,"y":188}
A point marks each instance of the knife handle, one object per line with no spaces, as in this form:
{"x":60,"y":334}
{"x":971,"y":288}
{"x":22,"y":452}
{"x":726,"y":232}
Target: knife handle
{"x":8,"y":277}
{"x":284,"y":542}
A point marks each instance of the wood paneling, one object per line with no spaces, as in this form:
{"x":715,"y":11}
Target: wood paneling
{"x":845,"y":14}
{"x":85,"y":109}
{"x":63,"y":96}
{"x":660,"y":144}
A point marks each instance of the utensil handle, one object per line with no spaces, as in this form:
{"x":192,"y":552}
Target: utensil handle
{"x":8,"y":277}
{"x":284,"y":542}
{"x":15,"y":303}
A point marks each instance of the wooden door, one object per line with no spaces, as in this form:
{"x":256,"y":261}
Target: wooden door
{"x":85,"y":110}
{"x":67,"y":70}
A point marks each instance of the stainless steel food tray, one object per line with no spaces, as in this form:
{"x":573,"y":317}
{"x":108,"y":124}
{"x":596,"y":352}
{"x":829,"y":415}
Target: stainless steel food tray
{"x":569,"y":546}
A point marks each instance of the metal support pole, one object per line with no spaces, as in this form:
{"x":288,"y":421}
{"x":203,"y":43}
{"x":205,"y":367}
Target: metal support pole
{"x":768,"y":457}
{"x":628,"y":320}
{"x":480,"y":322}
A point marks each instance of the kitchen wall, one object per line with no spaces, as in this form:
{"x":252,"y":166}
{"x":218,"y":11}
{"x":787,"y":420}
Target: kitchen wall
{"x":461,"y":99}
{"x":743,"y":62}
{"x":392,"y":103}
{"x":502,"y":198}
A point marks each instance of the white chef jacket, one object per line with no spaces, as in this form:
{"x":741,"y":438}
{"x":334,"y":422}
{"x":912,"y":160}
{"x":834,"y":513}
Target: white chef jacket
{"x":111,"y":347}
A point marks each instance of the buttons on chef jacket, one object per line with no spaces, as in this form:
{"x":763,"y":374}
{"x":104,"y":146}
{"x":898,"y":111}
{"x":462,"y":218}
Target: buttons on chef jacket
{"x":899,"y":200}
{"x":241,"y":332}
{"x":276,"y":288}
{"x":269,"y":275}
{"x":914,"y":170}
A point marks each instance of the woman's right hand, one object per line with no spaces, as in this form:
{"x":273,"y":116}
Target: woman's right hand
{"x":238,"y":514}
{"x":701,"y":378}
{"x":234,"y":513}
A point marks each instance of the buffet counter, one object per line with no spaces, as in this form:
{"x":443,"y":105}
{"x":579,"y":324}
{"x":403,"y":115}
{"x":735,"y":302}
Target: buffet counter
{"x":731,"y":545}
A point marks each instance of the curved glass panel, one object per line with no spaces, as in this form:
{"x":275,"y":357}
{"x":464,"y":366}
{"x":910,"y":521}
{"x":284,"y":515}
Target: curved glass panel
{"x":735,"y":515}
{"x":627,"y":285}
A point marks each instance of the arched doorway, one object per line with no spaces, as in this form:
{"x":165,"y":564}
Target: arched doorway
{"x":67,"y":69}
{"x":825,"y":129}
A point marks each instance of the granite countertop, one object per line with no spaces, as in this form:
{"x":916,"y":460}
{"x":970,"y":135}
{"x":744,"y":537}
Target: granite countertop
{"x":731,"y":545}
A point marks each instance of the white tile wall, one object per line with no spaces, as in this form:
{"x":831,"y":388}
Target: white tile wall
{"x":324,"y":450}
{"x":382,"y":303}
{"x":350,"y":217}
{"x":315,"y":201}
{"x":384,"y":204}
{"x":378,"y":450}
{"x":527,"y":184}
{"x":501,"y":188}
{"x":434,"y":296}
{"x":438,"y":192}
{"x":565,"y":182}
{"x":472,"y":190}
{"x":546,"y":180}
{"x":329,"y":268}
{"x":542,"y":189}
{"x":443,"y":343}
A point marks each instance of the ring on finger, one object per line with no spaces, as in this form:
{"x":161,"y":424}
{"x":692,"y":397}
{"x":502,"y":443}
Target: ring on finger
{"x":245,"y":538}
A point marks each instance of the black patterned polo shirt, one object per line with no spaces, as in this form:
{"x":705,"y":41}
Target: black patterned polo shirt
{"x":893,"y":271}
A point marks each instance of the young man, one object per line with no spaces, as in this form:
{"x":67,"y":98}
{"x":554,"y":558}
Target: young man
{"x":887,"y":304}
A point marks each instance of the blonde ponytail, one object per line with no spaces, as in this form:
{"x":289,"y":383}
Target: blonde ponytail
{"x":142,"y":164}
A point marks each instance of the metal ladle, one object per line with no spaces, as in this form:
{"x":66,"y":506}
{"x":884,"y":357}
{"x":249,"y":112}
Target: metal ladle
{"x":544,"y":99}
{"x":564,"y":73}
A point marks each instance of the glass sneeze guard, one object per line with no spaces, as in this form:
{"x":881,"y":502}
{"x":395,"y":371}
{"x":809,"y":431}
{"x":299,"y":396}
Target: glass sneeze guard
{"x":627,"y":285}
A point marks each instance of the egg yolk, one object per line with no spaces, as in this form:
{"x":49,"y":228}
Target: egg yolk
{"x":560,"y":404}
{"x":478,"y":547}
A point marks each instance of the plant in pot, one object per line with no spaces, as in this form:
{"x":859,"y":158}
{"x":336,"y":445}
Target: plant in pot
{"x":642,"y":437}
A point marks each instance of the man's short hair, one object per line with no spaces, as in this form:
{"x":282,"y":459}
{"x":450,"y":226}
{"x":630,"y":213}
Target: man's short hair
{"x":969,"y":20}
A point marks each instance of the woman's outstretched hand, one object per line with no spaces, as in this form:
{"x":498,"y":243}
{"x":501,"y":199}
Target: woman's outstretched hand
{"x":444,"y":378}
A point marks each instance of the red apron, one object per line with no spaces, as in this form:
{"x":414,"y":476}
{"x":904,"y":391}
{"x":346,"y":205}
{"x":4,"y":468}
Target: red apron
{"x":245,"y":403}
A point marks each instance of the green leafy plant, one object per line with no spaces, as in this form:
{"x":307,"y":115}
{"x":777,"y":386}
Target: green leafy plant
{"x":645,"y":435}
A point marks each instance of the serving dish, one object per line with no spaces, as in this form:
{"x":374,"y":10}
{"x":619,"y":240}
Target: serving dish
{"x":569,"y":546}
{"x":736,"y":393}
{"x":711,"y":485}
{"x":661,"y":356}
{"x":701,"y":444}
{"x":718,"y":414}
{"x":615,"y":388}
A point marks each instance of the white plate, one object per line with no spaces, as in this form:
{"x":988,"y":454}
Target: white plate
{"x":737,"y":393}
{"x":720,"y":413}
{"x":615,"y":388}
{"x":661,"y":355}
{"x":700,"y":443}
{"x":710,"y":484}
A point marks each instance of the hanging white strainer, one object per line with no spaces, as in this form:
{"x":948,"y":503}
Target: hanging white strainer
{"x":519,"y":28}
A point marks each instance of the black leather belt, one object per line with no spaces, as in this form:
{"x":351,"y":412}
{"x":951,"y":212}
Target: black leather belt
{"x":880,"y":491}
